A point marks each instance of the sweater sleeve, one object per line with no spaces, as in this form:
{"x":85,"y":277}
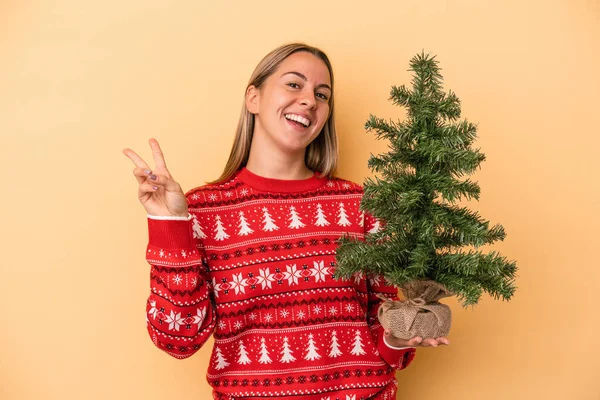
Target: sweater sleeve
{"x":179,"y":311}
{"x":396,"y":357}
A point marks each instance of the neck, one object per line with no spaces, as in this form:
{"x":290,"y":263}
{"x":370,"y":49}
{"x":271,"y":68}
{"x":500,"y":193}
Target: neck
{"x":278,"y":166}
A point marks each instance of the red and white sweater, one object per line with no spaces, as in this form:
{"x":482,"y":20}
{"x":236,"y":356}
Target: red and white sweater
{"x":254,"y":263}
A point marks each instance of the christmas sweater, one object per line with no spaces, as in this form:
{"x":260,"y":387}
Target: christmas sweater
{"x":254,"y":265}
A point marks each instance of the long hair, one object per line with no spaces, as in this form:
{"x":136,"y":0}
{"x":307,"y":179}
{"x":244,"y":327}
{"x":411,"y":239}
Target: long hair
{"x":321,"y":154}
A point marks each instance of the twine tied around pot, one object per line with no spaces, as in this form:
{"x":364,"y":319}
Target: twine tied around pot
{"x":420,"y":314}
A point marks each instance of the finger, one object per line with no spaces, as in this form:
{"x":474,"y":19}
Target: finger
{"x":162,"y":180}
{"x":146,"y":188}
{"x":429,"y":342}
{"x":415,"y":341}
{"x":142,"y":174}
{"x":157,"y":153}
{"x":137,"y":160}
{"x":443,"y":340}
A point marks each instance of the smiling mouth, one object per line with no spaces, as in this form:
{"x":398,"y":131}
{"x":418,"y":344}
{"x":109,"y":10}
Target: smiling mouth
{"x":297,"y":118}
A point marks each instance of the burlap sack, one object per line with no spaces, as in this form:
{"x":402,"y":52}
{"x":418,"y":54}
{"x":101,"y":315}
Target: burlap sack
{"x":420,"y":314}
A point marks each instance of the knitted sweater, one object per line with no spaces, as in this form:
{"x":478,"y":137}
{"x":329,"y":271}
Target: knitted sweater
{"x":254,"y":264}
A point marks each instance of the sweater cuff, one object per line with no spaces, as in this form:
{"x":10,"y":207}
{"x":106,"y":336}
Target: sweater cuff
{"x":170,"y":218}
{"x":170,"y":234}
{"x":396,"y":357}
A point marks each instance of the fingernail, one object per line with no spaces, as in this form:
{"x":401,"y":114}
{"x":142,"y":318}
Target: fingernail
{"x":155,"y":187}
{"x":147,"y":171}
{"x":153,"y":177}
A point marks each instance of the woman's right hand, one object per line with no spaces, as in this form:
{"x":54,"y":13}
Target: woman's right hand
{"x":158,"y":192}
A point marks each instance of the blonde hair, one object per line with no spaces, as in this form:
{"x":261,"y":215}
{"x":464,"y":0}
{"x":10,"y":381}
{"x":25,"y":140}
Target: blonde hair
{"x":321,"y":154}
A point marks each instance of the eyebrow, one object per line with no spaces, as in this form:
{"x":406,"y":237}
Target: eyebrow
{"x":306,"y":79}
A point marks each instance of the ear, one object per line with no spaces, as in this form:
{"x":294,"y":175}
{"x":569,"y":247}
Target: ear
{"x":252,"y":99}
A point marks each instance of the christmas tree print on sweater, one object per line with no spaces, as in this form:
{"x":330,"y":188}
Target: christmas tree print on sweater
{"x":311,"y":350}
{"x":286,"y":352}
{"x":375,"y":227}
{"x":335,"y":347}
{"x":343,"y":218}
{"x":198,"y":233}
{"x":264,"y":353}
{"x":220,"y":233}
{"x":221,"y":362}
{"x":244,"y":227}
{"x":243,"y":354}
{"x":269,"y":224}
{"x":321,"y":220}
{"x":358,"y":349}
{"x":295,"y":222}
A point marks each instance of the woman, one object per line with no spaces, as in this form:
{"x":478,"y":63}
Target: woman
{"x":251,"y":256}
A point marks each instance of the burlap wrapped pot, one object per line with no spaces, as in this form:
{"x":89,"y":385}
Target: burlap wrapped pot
{"x":420,"y":314}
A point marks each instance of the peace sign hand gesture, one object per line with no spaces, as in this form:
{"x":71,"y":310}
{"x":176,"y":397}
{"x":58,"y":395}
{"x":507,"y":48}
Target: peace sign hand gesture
{"x":158,"y":192}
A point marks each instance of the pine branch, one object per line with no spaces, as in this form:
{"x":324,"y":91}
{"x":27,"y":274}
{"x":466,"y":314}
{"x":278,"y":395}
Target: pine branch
{"x":363,"y":257}
{"x":452,"y":190}
{"x":460,"y":135}
{"x":449,"y":107}
{"x":459,"y":271}
{"x":465,"y":226}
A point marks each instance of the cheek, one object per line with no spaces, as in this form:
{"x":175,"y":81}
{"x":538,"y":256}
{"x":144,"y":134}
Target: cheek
{"x":281,"y":103}
{"x":273,"y":100}
{"x":323,"y":115}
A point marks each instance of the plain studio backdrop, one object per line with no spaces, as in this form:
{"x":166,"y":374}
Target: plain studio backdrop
{"x":81,"y":80}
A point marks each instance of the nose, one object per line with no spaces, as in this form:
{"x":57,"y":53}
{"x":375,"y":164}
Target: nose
{"x":307,"y":99}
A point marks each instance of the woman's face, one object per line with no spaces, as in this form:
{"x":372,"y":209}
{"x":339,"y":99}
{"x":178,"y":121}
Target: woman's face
{"x":292,"y":105}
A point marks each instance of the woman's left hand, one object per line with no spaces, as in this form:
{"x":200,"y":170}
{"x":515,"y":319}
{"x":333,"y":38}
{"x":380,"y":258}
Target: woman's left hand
{"x":416,"y":341}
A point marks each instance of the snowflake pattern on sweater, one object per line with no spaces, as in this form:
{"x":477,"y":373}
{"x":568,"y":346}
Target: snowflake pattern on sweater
{"x":255,"y":267}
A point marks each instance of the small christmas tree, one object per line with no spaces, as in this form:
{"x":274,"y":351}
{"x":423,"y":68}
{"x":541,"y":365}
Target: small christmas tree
{"x":422,"y":230}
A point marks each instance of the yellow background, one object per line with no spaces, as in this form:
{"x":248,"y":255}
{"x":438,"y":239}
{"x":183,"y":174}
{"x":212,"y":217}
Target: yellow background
{"x":81,"y":80}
